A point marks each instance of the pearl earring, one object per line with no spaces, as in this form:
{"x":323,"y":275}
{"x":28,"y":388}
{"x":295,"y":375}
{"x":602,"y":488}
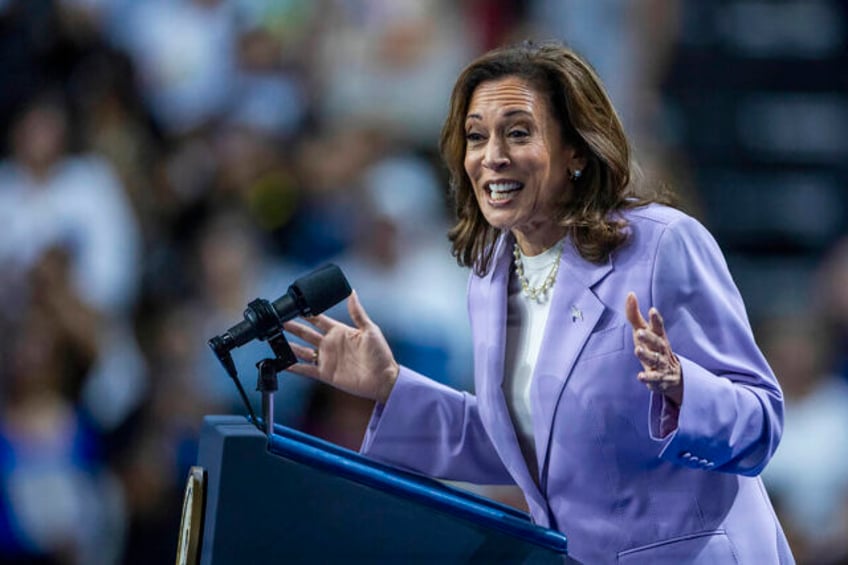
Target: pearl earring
{"x":575,"y":176}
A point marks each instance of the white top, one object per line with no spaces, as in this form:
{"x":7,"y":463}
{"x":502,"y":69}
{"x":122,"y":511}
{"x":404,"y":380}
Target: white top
{"x":525,"y":326}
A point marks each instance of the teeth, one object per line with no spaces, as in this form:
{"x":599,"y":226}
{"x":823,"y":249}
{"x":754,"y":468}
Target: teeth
{"x":504,"y":186}
{"x":499,"y":196}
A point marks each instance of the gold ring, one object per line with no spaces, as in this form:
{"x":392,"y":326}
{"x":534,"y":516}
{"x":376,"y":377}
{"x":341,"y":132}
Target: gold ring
{"x":314,"y":356}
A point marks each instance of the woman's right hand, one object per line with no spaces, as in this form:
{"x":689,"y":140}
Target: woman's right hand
{"x":353,"y":359}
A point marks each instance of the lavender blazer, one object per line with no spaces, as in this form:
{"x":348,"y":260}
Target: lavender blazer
{"x":625,"y":478}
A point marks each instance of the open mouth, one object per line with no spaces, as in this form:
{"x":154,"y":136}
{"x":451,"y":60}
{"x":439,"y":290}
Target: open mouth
{"x":501,"y":191}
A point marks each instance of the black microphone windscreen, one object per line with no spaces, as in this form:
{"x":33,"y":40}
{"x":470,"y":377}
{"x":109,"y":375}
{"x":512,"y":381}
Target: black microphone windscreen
{"x":320,"y":289}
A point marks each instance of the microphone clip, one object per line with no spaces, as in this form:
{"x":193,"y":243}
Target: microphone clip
{"x":264,"y":319}
{"x":266,"y":379}
{"x":269,"y":327}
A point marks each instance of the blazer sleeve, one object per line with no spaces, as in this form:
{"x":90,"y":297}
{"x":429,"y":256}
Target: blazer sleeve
{"x":731,"y":417}
{"x":433,"y":429}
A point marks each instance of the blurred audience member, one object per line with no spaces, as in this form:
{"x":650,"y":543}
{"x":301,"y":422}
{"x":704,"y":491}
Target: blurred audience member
{"x":631,"y":60}
{"x":808,"y":476}
{"x":270,"y":94}
{"x":185,"y":53}
{"x":113,"y":123}
{"x":58,"y":501}
{"x":400,"y":261}
{"x":255,"y":175}
{"x":832,"y":297}
{"x":50,"y":196}
{"x":328,"y":166}
{"x":390,"y":64}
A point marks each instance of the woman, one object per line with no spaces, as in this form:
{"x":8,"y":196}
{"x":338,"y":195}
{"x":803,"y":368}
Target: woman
{"x":565,"y":257}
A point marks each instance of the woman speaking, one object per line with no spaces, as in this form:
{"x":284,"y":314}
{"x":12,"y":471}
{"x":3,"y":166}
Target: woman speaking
{"x":617,"y":380}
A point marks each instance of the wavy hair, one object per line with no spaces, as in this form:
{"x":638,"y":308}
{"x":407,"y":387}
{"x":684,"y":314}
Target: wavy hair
{"x":587,"y":121}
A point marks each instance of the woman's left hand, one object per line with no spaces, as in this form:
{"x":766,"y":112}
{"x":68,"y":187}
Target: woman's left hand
{"x":661,"y":370}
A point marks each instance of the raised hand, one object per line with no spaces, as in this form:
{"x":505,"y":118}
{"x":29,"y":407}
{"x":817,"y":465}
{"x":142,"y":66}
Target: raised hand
{"x":661,"y":370}
{"x":353,"y":359}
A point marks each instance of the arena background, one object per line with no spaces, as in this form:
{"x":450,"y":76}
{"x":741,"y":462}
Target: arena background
{"x":164,"y":162}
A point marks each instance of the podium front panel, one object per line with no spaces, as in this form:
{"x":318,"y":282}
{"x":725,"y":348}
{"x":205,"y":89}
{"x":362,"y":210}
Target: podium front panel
{"x":294,"y":498}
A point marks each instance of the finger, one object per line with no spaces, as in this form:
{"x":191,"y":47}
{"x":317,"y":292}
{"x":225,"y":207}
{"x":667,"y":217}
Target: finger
{"x":305,"y":369}
{"x":657,"y":325}
{"x":654,"y":381}
{"x":651,"y":360}
{"x":305,"y":333}
{"x":650,"y":379}
{"x":631,"y":307}
{"x":323,"y":322}
{"x":357,"y":312}
{"x":657,"y":376}
{"x":650,"y":340}
{"x":661,"y":380}
{"x":305,"y":354}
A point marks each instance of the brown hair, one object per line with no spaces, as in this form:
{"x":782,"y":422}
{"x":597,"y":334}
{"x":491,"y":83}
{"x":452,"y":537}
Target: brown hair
{"x":588,"y":121}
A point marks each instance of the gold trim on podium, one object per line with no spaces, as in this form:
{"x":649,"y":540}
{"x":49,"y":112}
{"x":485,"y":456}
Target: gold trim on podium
{"x":191,"y":522}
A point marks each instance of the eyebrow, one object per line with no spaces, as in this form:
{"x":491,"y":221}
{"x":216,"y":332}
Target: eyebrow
{"x":507,"y":114}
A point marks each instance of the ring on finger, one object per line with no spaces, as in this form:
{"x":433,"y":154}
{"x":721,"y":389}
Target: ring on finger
{"x":314,"y":356}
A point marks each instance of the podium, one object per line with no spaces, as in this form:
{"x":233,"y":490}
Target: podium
{"x":293,"y":498}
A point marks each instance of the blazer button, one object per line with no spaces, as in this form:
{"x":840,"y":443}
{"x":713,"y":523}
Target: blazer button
{"x":686,"y":455}
{"x":703,"y":462}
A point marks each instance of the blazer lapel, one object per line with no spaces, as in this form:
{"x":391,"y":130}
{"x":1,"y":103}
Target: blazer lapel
{"x":575,"y":310}
{"x":490,"y":383}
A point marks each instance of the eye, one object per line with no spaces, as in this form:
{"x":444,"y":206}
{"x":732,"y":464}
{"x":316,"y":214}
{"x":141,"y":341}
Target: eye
{"x":473,"y":136}
{"x":518,"y":133}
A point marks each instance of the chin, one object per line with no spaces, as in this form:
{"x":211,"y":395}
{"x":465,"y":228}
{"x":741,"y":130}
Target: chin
{"x":499,"y":217}
{"x":498,"y":222}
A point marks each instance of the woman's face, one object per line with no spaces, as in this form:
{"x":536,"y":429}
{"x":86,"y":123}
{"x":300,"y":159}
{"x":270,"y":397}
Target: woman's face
{"x":517,"y":161}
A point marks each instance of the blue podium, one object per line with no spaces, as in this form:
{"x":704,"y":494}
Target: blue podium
{"x":293,"y":498}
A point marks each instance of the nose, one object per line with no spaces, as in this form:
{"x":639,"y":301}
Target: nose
{"x":496,"y":157}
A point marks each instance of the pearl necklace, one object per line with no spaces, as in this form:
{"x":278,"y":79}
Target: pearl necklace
{"x":540,"y":292}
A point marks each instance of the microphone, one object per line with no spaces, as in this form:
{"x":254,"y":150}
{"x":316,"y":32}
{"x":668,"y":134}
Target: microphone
{"x":309,"y":295}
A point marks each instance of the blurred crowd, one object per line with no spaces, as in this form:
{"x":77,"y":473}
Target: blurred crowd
{"x":165,"y":162}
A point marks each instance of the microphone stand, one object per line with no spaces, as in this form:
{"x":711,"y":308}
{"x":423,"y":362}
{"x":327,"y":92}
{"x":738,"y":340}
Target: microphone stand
{"x":267,"y":382}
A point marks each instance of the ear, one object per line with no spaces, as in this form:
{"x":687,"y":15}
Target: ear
{"x":575,"y":159}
